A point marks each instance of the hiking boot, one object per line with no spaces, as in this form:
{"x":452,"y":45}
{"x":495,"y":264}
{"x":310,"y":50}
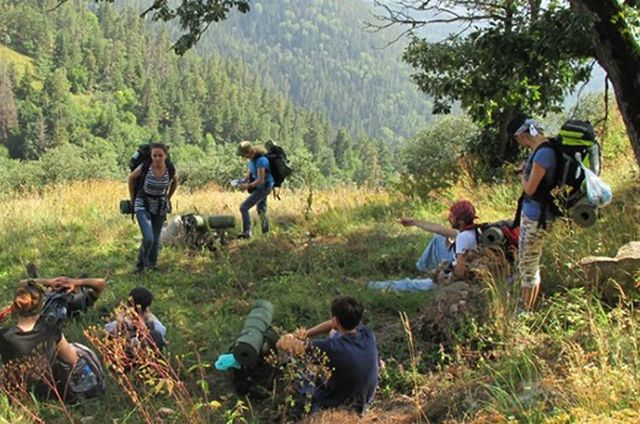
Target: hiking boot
{"x":138,"y":271}
{"x":32,"y":270}
{"x":243,"y":236}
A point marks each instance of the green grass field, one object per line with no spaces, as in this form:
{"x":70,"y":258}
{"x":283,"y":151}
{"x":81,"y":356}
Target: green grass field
{"x":574,"y":360}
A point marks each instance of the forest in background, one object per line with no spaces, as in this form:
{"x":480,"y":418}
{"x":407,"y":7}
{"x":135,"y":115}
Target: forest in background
{"x":85,"y":88}
{"x":322,"y":56}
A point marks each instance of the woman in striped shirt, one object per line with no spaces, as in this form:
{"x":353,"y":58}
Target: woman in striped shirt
{"x":157,"y":182}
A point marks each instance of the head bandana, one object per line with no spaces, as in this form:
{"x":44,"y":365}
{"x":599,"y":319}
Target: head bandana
{"x":530,"y":126}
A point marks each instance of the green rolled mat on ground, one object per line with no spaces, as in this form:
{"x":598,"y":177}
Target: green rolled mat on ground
{"x":264,"y":304}
{"x":245,"y":350}
{"x":256,"y":323}
{"x":583,"y":213}
{"x":195,"y":221}
{"x":222,"y":221}
{"x":249,"y":345}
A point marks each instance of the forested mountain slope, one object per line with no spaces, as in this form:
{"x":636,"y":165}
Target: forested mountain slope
{"x":318,"y":53}
{"x":102,"y":83}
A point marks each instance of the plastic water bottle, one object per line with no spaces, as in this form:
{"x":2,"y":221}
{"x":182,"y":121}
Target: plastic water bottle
{"x":88,"y":379}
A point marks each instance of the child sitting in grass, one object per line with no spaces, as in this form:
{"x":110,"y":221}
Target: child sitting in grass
{"x":140,"y":298}
{"x":352,"y":353}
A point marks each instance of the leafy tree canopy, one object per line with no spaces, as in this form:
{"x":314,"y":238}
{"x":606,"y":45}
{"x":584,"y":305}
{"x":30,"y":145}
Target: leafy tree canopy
{"x":519,"y":54}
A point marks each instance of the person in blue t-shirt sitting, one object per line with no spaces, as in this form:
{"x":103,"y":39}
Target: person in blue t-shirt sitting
{"x":259,"y":183}
{"x":352,"y":353}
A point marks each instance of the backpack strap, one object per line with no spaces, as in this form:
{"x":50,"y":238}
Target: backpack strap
{"x":172,"y":170}
{"x":542,"y":194}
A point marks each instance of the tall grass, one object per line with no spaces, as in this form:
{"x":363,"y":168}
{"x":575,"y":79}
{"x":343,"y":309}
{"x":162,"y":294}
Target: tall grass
{"x":575,"y":359}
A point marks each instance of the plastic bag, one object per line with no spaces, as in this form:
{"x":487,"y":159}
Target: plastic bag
{"x":599,"y":193}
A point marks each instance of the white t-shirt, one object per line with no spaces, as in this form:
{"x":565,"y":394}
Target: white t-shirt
{"x":465,"y":240}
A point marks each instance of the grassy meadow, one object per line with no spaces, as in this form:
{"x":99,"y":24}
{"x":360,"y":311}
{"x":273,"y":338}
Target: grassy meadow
{"x":575,"y":360}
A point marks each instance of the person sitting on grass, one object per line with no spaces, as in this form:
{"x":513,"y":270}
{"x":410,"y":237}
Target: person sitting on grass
{"x":352,"y":354}
{"x":463,"y":233}
{"x":140,"y":299}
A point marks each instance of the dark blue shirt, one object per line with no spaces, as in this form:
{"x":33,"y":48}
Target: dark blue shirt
{"x":353,"y":358}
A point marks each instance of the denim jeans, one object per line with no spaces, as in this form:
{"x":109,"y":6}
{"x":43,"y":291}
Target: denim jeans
{"x":407,"y":284}
{"x":258,"y":197}
{"x":150,"y":227}
{"x":437,"y":251}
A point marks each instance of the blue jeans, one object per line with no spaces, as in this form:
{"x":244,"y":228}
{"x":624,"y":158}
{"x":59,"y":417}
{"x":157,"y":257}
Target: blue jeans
{"x":437,"y":251}
{"x":407,"y":284}
{"x":150,"y":227}
{"x":258,"y":197}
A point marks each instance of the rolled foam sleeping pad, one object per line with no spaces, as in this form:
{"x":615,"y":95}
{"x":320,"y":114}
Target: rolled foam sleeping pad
{"x":266,"y":305}
{"x":222,"y":221}
{"x":249,"y":345}
{"x":491,"y":236}
{"x":583,"y":213}
{"x":195,"y":221}
{"x":257,"y":323}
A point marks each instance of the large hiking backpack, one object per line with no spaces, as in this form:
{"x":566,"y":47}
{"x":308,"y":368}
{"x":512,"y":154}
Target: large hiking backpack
{"x":142,"y":156}
{"x":278,"y":162}
{"x":575,"y":147}
{"x":87,"y":378}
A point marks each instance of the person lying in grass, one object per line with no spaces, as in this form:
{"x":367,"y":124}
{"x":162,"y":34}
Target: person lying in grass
{"x":352,"y":354}
{"x":80,"y":293}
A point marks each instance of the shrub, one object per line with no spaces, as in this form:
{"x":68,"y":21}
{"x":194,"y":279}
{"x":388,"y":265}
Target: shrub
{"x":431,"y":159}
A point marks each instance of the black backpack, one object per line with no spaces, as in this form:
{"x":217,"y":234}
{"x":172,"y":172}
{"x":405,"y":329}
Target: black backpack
{"x":278,"y":162}
{"x":142,"y":156}
{"x":575,"y":146}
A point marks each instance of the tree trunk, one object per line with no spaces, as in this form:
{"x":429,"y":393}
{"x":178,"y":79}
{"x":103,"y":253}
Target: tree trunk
{"x":618,"y":53}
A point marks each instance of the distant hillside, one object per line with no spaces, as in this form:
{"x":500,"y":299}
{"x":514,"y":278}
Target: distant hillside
{"x":102,"y":83}
{"x":318,"y":53}
{"x":20,"y":62}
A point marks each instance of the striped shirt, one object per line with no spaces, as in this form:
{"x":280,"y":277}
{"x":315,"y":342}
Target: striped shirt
{"x":157,"y":189}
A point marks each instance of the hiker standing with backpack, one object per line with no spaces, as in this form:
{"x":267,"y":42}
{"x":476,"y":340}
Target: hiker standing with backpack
{"x":536,"y":210}
{"x":151,"y":186}
{"x":259,"y":183}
